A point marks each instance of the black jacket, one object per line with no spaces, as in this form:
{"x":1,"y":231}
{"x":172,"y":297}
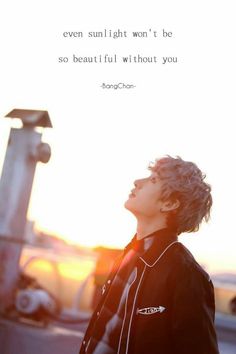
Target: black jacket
{"x":170,"y":305}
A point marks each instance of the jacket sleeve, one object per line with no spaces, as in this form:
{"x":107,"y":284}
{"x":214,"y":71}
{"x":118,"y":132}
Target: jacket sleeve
{"x":193,"y":313}
{"x":93,"y":318}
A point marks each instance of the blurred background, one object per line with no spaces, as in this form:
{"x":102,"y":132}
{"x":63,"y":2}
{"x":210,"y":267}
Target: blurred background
{"x":101,"y":140}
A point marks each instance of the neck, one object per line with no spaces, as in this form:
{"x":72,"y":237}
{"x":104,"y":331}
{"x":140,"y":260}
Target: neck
{"x":146,"y":227}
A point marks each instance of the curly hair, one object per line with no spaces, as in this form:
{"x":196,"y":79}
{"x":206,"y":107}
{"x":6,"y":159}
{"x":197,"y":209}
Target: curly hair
{"x":184,"y":181}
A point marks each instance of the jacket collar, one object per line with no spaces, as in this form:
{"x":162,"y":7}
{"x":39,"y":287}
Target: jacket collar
{"x":152,"y":247}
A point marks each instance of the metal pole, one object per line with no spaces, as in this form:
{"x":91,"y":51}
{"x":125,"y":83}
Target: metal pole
{"x":23,"y":151}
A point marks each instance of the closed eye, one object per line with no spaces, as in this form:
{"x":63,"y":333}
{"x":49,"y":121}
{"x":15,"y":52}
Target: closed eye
{"x":153,"y":179}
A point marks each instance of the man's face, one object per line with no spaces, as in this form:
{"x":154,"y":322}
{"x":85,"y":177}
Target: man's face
{"x":145,"y":198}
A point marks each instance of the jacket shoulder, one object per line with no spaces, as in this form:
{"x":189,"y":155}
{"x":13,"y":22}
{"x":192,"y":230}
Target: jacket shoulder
{"x":185,"y":263}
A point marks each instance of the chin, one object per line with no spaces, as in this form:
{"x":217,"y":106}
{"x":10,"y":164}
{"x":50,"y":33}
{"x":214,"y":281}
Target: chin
{"x":127,"y":204}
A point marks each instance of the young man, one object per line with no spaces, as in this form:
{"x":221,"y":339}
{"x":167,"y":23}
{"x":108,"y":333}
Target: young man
{"x":157,"y":298}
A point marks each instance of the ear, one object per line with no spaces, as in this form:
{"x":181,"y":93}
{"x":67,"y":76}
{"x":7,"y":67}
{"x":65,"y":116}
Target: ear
{"x":170,"y":205}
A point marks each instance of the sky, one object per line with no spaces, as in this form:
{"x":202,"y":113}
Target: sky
{"x":104,"y":139}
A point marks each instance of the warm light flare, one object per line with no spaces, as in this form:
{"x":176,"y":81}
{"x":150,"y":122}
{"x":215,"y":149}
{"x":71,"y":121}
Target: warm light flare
{"x":61,"y":275}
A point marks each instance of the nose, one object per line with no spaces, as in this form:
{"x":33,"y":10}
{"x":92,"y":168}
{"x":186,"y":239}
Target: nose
{"x":137,"y":183}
